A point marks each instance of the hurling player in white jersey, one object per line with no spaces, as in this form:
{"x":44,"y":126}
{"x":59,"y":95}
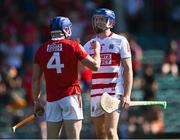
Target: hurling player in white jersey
{"x":115,"y":75}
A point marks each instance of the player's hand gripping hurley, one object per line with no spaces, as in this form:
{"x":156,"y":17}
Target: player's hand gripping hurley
{"x":110,"y":104}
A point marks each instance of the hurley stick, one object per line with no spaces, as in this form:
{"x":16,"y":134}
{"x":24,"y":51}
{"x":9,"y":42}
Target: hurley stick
{"x":28,"y":119}
{"x":110,"y":104}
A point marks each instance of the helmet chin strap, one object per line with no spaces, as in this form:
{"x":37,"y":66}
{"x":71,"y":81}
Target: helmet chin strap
{"x":67,"y":32}
{"x":64,"y":35}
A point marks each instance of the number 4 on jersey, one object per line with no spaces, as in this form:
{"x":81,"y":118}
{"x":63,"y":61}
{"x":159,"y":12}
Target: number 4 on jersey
{"x":56,"y":65}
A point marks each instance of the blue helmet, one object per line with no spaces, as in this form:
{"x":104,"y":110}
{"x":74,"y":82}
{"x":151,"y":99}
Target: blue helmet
{"x":61,"y":25}
{"x":103,"y":19}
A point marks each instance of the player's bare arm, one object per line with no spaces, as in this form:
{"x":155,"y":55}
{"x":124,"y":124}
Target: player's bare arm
{"x":128,"y":81}
{"x":36,"y":77}
{"x":37,"y":73}
{"x":93,"y":63}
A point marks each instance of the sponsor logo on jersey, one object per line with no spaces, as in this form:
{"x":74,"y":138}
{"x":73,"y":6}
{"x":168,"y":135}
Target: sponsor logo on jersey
{"x":102,"y":45}
{"x":106,"y":59}
{"x":54,"y":47}
{"x":111,"y":46}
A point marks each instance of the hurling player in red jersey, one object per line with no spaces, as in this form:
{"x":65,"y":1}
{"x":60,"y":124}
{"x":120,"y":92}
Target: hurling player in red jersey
{"x":58,"y":60}
{"x":114,"y":76}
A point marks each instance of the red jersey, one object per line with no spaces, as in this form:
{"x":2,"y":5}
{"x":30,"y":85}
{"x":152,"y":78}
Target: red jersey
{"x":58,"y":59}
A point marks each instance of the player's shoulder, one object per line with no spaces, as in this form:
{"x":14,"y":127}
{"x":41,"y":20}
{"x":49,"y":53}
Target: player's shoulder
{"x":118,"y":36}
{"x":42,"y":47}
{"x":119,"y":39}
{"x":44,"y":44}
{"x":69,"y":42}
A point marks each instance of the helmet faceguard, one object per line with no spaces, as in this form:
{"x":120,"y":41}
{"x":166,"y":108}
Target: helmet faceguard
{"x":102,"y":20}
{"x":61,"y":25}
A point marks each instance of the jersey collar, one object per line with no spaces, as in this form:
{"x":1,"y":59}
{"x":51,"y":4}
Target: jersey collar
{"x":107,"y":36}
{"x":110,"y":34}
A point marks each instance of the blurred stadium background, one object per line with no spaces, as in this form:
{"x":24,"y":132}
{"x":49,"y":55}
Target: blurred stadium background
{"x":152,"y":28}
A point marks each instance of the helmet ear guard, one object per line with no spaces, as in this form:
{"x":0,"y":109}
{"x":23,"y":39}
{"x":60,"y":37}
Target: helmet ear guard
{"x":110,"y":23}
{"x":68,"y":31}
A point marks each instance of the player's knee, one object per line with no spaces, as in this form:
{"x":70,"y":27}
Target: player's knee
{"x":112,"y":133}
{"x":100,"y":134}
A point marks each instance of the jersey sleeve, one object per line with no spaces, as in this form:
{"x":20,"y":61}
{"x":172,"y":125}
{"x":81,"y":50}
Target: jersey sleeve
{"x":80,"y":52}
{"x":86,"y":46}
{"x":125,"y":49}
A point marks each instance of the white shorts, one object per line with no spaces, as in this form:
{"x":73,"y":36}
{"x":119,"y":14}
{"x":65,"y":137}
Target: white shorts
{"x":67,"y":108}
{"x":96,"y":109}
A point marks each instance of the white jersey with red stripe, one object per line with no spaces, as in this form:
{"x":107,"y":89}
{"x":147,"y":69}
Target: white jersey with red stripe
{"x":110,"y":76}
